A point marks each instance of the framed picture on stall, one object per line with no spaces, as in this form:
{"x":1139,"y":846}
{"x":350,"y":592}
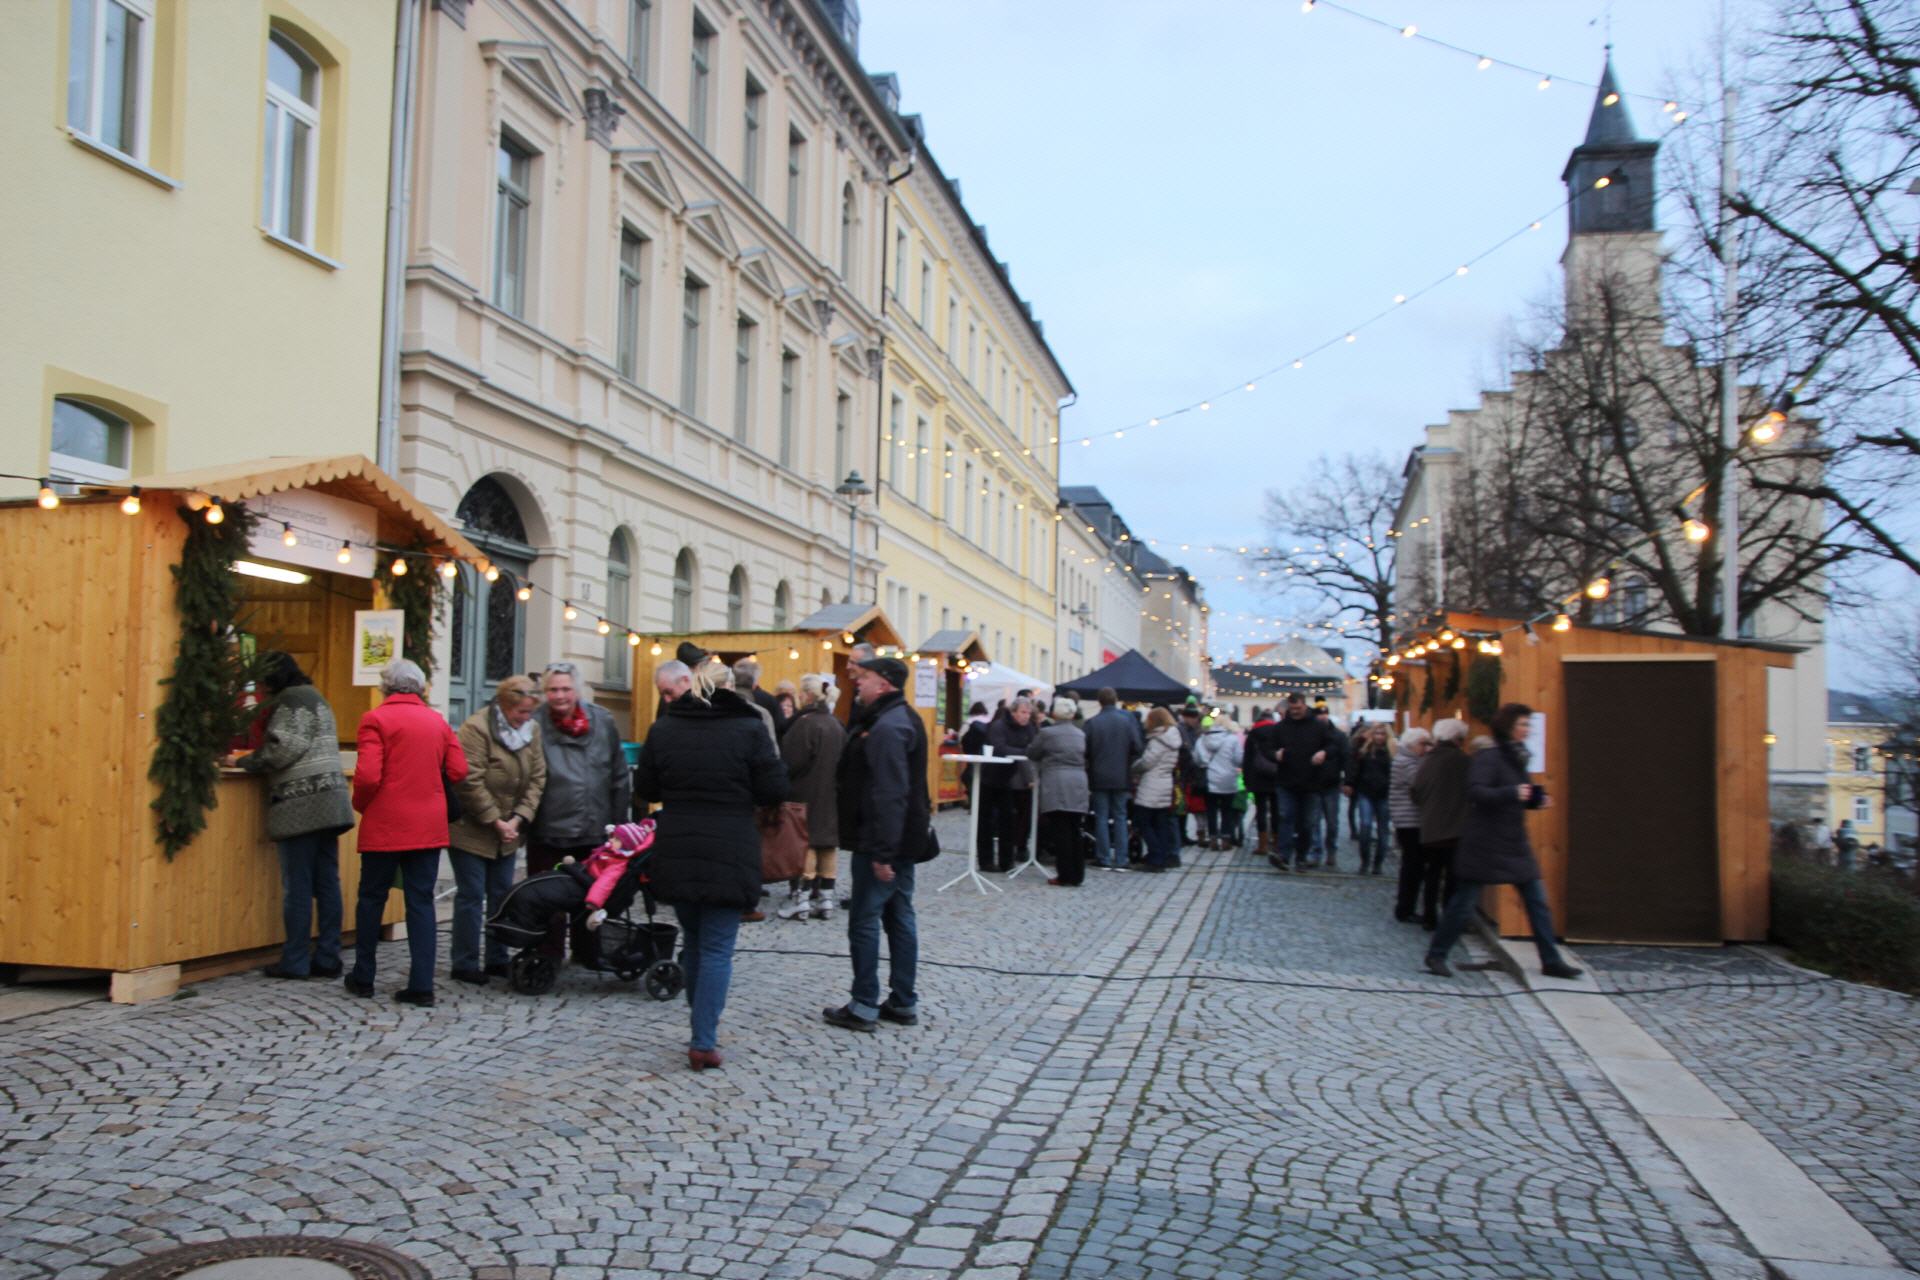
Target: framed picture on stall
{"x":377,"y":638}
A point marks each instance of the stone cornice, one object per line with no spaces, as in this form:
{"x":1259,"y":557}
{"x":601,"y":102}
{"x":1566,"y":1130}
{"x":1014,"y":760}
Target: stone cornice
{"x":837,"y":73}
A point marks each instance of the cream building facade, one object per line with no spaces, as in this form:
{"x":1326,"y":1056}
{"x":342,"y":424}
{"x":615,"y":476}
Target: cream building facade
{"x":1102,"y":598}
{"x":970,"y":434}
{"x":1171,"y":628}
{"x":196,"y":225}
{"x":642,"y":319}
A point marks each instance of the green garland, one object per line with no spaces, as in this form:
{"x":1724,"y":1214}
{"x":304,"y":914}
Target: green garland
{"x":201,"y":710}
{"x":1453,"y":675}
{"x":422,"y":601}
{"x":1483,"y":688}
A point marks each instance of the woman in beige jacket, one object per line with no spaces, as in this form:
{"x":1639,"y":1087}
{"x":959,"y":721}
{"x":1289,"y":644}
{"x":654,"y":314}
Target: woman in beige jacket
{"x":506,"y":772}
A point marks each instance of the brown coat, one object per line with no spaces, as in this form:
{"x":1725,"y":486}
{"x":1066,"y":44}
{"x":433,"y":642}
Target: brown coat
{"x":811,"y":748}
{"x":499,"y":784}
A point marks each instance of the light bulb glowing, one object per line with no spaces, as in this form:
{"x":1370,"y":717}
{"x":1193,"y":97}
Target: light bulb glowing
{"x":524,"y":594}
{"x":398,"y":568}
{"x":1610,"y":99}
{"x":449,"y":570}
{"x":289,"y":537}
{"x":1299,"y":364}
{"x":345,"y":554}
{"x":1599,"y":588}
{"x":570,"y":613}
{"x":846,"y":637}
{"x":1697,"y":530}
{"x":654,"y":650}
{"x":1679,"y":116}
{"x":47,"y":498}
{"x":1483,"y":64}
{"x":1393,"y":659}
{"x":604,"y":627}
{"x":214,"y":514}
{"x":1561,"y":622}
{"x":1399,"y":298}
{"x":1459,"y":642}
{"x":1205,"y":405}
{"x":491,"y":573}
{"x":1460,"y":270}
{"x":793,"y":655}
{"x":131,"y":503}
{"x":826,"y":645}
{"x":1546,"y":82}
{"x":1601,"y":182}
{"x":633,"y":641}
{"x":1353,"y":337}
{"x":1409,"y":31}
{"x":1250,"y":386}
{"x":1767,"y":430}
{"x":1670,"y":108}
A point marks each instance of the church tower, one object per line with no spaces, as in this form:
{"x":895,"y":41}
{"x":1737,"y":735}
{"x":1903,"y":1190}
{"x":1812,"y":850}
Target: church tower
{"x":1613,"y":241}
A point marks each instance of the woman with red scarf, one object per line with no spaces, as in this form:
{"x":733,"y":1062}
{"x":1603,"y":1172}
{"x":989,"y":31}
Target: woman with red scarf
{"x":589,"y":788}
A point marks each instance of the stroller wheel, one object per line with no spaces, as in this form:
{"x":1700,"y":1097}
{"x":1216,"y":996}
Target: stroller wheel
{"x":665,"y":980}
{"x":533,"y":974}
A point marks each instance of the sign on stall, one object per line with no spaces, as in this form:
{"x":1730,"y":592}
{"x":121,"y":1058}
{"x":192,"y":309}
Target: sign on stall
{"x":320,"y":523}
{"x":926,"y":684}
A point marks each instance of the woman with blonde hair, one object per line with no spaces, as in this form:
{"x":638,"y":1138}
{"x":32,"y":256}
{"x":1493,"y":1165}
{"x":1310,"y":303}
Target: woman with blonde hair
{"x":1153,"y":790}
{"x":506,"y":774}
{"x":811,"y":749}
{"x":1369,"y":781}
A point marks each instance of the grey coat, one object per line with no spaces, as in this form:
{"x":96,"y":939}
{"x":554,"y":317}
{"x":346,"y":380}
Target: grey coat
{"x":589,"y":785}
{"x":1060,"y":751}
{"x":811,"y":747}
{"x":1155,"y":767}
{"x":306,"y":790}
{"x":1114,"y":742}
{"x":1400,"y":802}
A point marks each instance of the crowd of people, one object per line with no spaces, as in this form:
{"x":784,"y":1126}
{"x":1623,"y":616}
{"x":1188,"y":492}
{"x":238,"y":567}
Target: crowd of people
{"x":539,"y":770}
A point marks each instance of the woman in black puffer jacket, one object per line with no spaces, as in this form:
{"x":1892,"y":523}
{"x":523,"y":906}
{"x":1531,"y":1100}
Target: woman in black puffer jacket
{"x":711,"y":763}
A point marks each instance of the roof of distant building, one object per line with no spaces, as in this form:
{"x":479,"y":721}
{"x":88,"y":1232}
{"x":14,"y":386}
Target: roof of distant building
{"x":1856,"y":708}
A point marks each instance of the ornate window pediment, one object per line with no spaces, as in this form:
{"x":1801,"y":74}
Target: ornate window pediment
{"x":648,"y":170}
{"x":534,"y":68}
{"x":708,"y":222}
{"x":757,"y":265}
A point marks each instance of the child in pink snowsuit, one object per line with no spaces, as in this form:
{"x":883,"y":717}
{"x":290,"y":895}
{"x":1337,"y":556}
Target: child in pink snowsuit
{"x":609,"y":862}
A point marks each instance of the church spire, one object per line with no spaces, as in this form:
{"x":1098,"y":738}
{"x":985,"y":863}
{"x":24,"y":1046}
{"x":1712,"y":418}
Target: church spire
{"x":1612,"y":150}
{"x":1610,"y":125}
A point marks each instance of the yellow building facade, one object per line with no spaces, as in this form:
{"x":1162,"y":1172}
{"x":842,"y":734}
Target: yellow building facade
{"x":969,"y":436}
{"x":196,"y":230}
{"x":1856,"y":771}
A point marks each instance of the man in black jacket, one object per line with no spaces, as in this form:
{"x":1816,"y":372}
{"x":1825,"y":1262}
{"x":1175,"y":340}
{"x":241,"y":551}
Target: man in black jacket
{"x":1114,"y":742}
{"x":1300,"y":749}
{"x":884,"y":815}
{"x":1327,"y":779}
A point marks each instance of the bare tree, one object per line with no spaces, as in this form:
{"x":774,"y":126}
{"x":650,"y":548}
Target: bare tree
{"x":1332,"y":555}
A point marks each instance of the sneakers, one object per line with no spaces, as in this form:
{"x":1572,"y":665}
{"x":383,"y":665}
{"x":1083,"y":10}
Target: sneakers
{"x":823,"y":903}
{"x":798,"y":906}
{"x":845,"y":1018}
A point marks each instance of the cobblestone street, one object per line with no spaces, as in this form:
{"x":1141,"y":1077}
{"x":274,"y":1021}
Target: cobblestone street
{"x":1221,"y":1072}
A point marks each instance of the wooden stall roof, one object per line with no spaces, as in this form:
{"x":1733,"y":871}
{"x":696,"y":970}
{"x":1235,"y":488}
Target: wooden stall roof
{"x":863,"y":620}
{"x":350,"y":476}
{"x":955,"y":643}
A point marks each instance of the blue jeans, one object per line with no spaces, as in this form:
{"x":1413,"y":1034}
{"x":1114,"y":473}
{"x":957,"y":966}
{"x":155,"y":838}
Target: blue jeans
{"x":1326,"y":831}
{"x":1376,"y":826}
{"x":416,"y":868}
{"x":479,"y":885}
{"x":707,"y":936}
{"x":1110,"y":828}
{"x":309,"y":882}
{"x":1466,"y":895}
{"x":1297,"y":807}
{"x":875,"y":906}
{"x":1161,"y":832}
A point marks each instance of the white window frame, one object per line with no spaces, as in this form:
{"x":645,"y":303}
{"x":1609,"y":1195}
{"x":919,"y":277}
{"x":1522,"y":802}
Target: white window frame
{"x":618,"y":656}
{"x":746,"y":342}
{"x":693,"y":306}
{"x":73,"y":467}
{"x":639,"y":37}
{"x":1863,"y":810}
{"x":789,"y":398}
{"x":700,"y":80}
{"x":142,"y":89}
{"x":1863,"y":759}
{"x":753,"y":122}
{"x":926,"y":294}
{"x":630,"y":302}
{"x":796,"y":178}
{"x":842,"y":430}
{"x":280,"y":133}
{"x":507,"y":198}
{"x":923,"y":463}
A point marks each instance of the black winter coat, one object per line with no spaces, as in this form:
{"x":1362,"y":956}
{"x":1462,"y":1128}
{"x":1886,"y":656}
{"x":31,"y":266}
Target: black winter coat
{"x":1114,"y":742}
{"x":1008,"y":737}
{"x":1371,"y":774}
{"x":711,"y":764}
{"x":1493,"y":846}
{"x":884,"y":804}
{"x":1440,"y":791}
{"x":1298,"y":740}
{"x":1257,"y":764}
{"x":1330,"y":773}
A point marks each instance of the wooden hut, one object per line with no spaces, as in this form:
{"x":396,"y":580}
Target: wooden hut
{"x":91,"y":630}
{"x":820,"y":643}
{"x":948,"y":655}
{"x":1654,"y":750}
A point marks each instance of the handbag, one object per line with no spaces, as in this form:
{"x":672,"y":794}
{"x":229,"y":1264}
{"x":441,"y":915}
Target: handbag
{"x":929,"y":847}
{"x":783,"y":840}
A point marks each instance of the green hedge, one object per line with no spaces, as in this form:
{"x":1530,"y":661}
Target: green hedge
{"x":1861,"y":925}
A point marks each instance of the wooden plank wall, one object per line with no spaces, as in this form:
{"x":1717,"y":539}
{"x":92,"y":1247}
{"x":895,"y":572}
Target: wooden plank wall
{"x":771,"y":647}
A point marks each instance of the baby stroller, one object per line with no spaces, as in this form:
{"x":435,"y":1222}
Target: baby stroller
{"x":624,"y":947}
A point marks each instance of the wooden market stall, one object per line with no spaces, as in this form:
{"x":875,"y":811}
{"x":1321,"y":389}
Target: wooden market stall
{"x":950,"y":654}
{"x":1655,"y":753}
{"x":820,"y":643}
{"x":92,"y":630}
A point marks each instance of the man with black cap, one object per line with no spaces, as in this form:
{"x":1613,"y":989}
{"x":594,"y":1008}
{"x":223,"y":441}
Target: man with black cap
{"x":884,"y":816}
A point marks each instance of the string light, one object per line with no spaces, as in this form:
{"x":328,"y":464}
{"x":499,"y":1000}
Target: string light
{"x":1561,"y":622}
{"x":1599,"y":588}
{"x":1767,"y":430}
{"x":449,"y":570}
{"x":345,"y":554}
{"x":214,"y":514}
{"x":289,"y":537}
{"x":399,"y":567}
{"x":491,"y":573}
{"x":633,"y":640}
{"x":604,"y":627}
{"x":524,"y":594}
{"x":793,"y":654}
{"x":47,"y":499}
{"x":1697,"y":530}
{"x":570,"y":613}
{"x":131,"y":503}
{"x":655,"y":650}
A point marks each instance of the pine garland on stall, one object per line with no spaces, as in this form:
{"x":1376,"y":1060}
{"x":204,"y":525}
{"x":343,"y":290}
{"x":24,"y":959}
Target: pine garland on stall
{"x":1483,"y":688}
{"x":201,"y":711}
{"x":1453,"y":675}
{"x":422,"y":601}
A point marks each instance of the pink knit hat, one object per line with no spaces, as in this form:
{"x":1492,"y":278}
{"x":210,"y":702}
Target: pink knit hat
{"x":634,"y":836}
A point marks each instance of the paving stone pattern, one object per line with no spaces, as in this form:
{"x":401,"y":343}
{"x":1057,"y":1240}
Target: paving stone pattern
{"x":1824,"y":1069}
{"x":1125,"y":1118}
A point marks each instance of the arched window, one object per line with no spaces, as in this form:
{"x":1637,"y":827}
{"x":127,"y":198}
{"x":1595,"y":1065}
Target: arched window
{"x":849,"y":217}
{"x":737,"y":599}
{"x":782,"y":607}
{"x":826,"y":596}
{"x":88,"y":442}
{"x":291,"y":171}
{"x":683,"y":585}
{"x":619,"y":605}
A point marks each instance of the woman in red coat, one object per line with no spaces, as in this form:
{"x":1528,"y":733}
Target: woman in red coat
{"x":406,"y":751}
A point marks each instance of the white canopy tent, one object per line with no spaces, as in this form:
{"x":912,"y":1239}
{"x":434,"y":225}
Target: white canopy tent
{"x":998,"y":682}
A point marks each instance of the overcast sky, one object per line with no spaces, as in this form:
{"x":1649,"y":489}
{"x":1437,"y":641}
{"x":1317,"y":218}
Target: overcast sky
{"x":1190,"y":193}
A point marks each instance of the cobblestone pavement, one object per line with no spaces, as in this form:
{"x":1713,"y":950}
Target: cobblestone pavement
{"x":1183,"y":1096}
{"x":1824,"y":1069}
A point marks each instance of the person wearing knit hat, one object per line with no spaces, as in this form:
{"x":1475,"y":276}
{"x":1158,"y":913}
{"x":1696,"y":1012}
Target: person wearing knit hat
{"x":610,"y":861}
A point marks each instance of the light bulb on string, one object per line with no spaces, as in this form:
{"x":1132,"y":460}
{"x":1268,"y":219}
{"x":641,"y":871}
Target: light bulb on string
{"x":47,"y":498}
{"x":1697,"y":530}
{"x":1409,"y":31}
{"x":1459,"y":642}
{"x":633,"y":640}
{"x":570,"y":613}
{"x":131,"y":503}
{"x":1460,"y":270}
{"x":1561,"y":622}
{"x":654,"y":649}
{"x":289,"y":538}
{"x":604,"y":627}
{"x":1602,"y":182}
{"x":491,"y":573}
{"x":1599,"y":588}
{"x":793,"y":654}
{"x":345,"y":554}
{"x":214,"y":513}
{"x":1483,"y":64}
{"x":1546,"y":82}
{"x":1610,"y":99}
{"x":450,"y":570}
{"x":1206,"y":404}
{"x":398,"y":568}
{"x":524,"y":594}
{"x":1767,"y":430}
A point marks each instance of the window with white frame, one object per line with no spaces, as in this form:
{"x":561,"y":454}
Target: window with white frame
{"x":292,"y":141}
{"x":953,"y":325}
{"x":947,"y":511}
{"x":745,"y":338}
{"x":632,"y":247}
{"x":842,"y":425}
{"x":900,"y":265}
{"x":1863,"y":759}
{"x":789,"y":404}
{"x":973,"y":351}
{"x":110,"y":72}
{"x":796,"y":177}
{"x":692,"y":304}
{"x":926,"y":295}
{"x":737,"y":599}
{"x":896,"y":442}
{"x":923,"y":463}
{"x":639,"y":37}
{"x":683,"y":587}
{"x":512,"y":213}
{"x":1862,"y":810}
{"x":619,"y":608}
{"x":782,"y":606}
{"x":89,"y":443}
{"x":849,"y":218}
{"x":751,"y":144}
{"x":701,"y":82}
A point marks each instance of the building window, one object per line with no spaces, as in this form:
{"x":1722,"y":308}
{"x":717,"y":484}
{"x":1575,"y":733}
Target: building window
{"x":702,"y":80}
{"x":513,"y":202}
{"x":89,"y":443}
{"x":1863,"y":810}
{"x":789,"y":393}
{"x":743,"y":344}
{"x":966,"y":506}
{"x":750,"y":147}
{"x":292,"y":141}
{"x":692,"y":302}
{"x":109,"y":71}
{"x":782,"y":607}
{"x":923,"y":616}
{"x":923,"y":463}
{"x":987,"y":373}
{"x":926,"y":294}
{"x":946,"y":489}
{"x":628,"y":339}
{"x":842,"y":424}
{"x":796,"y":178}
{"x":1863,"y":759}
{"x":737,"y":599}
{"x":973,"y":351}
{"x":619,"y":608}
{"x":900,"y":266}
{"x":683,"y":582}
{"x":953,"y":325}
{"x":848,"y":217}
{"x":896,"y":442}
{"x":639,"y":37}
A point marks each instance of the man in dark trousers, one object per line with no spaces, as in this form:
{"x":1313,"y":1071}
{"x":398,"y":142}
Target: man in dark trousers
{"x":1327,"y":780}
{"x":884,"y":815}
{"x":1300,"y":749}
{"x":1114,"y":742}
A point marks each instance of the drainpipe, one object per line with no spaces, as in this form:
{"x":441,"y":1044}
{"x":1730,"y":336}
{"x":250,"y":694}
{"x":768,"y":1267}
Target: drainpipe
{"x":399,"y":200}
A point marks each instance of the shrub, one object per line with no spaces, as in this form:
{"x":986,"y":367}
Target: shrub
{"x":1860,"y":925}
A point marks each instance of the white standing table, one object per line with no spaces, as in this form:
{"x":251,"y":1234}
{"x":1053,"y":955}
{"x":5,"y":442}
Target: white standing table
{"x":972,"y":872}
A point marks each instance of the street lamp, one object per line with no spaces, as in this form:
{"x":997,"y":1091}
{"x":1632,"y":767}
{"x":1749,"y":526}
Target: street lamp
{"x":853,"y":488}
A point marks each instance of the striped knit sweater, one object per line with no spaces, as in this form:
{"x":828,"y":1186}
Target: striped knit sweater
{"x":306,"y":790}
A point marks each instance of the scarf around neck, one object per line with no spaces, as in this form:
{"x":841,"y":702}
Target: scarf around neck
{"x":511,"y":738}
{"x":575,"y":725}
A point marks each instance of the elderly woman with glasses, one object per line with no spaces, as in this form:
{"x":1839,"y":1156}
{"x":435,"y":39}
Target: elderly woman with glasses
{"x":506,"y":772}
{"x":589,"y":788}
{"x":407,"y":756}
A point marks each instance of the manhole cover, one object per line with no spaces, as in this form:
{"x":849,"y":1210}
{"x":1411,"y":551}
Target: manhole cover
{"x":274,"y":1258}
